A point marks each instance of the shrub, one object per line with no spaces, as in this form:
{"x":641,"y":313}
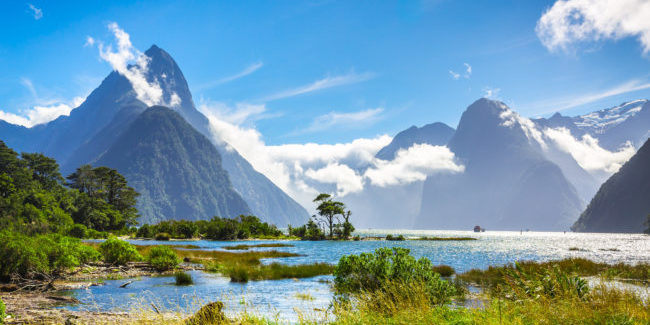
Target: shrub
{"x":146,"y":231}
{"x":163,"y":236}
{"x":163,"y":258}
{"x":94,"y":234}
{"x":210,"y":314}
{"x":183,"y":279}
{"x":370,"y":272}
{"x":391,"y":237}
{"x":116,"y":251}
{"x":45,"y":254}
{"x":78,"y":231}
{"x":444,"y":270}
{"x":2,"y":312}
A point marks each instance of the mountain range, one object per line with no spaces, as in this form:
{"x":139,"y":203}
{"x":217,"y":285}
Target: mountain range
{"x":93,"y":132}
{"x":516,"y":174}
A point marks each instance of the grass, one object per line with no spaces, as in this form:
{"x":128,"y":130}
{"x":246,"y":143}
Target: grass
{"x":444,"y":270}
{"x":183,"y":279}
{"x":494,"y":275}
{"x":276,"y":271}
{"x":446,"y":238}
{"x":245,"y":247}
{"x":304,"y":296}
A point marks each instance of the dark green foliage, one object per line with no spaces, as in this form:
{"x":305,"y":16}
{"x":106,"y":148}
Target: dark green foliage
{"x":28,"y":256}
{"x":391,"y":237}
{"x":210,"y":314}
{"x":328,"y":210}
{"x":2,"y":312}
{"x":329,"y":217}
{"x":242,"y":227}
{"x":444,"y":270}
{"x":117,"y":251}
{"x":163,"y":258}
{"x":162,"y":236}
{"x":34,"y":199}
{"x":370,"y":272}
{"x":78,"y":231}
{"x":183,"y":279}
{"x":109,"y":203}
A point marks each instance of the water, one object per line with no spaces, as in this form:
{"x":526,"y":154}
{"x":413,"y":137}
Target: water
{"x":278,"y":299}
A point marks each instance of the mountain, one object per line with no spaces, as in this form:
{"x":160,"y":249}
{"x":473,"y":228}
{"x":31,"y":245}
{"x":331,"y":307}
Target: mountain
{"x":622,"y":203}
{"x":435,"y":134}
{"x":176,"y":169}
{"x":92,"y":129}
{"x":613,"y":127}
{"x":508,"y":183}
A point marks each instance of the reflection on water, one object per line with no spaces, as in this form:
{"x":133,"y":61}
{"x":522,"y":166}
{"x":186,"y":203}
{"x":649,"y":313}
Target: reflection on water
{"x":279,"y":299}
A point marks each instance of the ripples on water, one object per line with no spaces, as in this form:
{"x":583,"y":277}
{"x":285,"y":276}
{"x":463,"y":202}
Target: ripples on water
{"x":279,"y":298}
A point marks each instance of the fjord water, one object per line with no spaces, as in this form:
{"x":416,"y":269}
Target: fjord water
{"x":278,"y":299}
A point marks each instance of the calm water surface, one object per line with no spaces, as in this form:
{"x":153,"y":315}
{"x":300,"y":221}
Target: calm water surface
{"x":279,"y":299}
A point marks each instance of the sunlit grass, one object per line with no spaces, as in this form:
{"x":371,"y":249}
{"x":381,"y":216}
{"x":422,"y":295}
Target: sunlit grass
{"x":245,"y":247}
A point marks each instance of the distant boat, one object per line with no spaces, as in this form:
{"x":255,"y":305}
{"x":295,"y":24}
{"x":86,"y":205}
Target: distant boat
{"x":479,"y":229}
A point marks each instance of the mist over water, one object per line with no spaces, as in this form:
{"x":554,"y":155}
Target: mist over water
{"x":279,"y":298}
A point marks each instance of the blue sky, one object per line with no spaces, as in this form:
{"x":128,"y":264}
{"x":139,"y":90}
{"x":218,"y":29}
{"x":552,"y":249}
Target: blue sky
{"x":326,"y":71}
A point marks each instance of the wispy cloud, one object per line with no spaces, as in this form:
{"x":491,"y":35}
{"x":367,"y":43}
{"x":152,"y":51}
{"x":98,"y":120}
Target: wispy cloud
{"x":36,"y":12}
{"x":347,"y":119}
{"x":40,"y":114}
{"x":571,"y":22}
{"x":241,"y":113}
{"x":89,"y":41}
{"x":490,"y":92}
{"x":327,"y":82}
{"x":456,"y":75}
{"x":560,"y":104}
{"x":248,"y":70}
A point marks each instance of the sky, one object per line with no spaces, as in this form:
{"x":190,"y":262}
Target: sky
{"x":335,"y":71}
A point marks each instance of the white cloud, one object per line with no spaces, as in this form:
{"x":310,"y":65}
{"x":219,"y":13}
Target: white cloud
{"x":327,"y":82}
{"x":149,"y":93}
{"x":588,"y":153}
{"x":41,"y":114}
{"x":413,"y":164}
{"x":570,"y":22}
{"x":492,"y":93}
{"x":513,"y":119}
{"x":468,"y":70}
{"x":332,"y":119}
{"x":345,"y":178}
{"x":248,"y":70}
{"x":303,"y":170}
{"x":30,"y":86}
{"x":89,"y":41}
{"x":36,"y":12}
{"x":454,"y":75}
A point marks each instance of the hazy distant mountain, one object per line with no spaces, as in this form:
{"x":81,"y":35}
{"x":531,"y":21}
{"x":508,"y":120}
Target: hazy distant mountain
{"x":622,"y":203}
{"x":176,"y":169}
{"x":435,"y":134}
{"x":507,"y":184}
{"x":613,"y":127}
{"x":93,"y":127}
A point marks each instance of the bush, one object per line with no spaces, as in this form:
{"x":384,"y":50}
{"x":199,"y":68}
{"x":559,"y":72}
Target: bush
{"x":45,"y":254}
{"x":183,"y":279}
{"x":163,"y":236}
{"x":94,"y":234}
{"x":116,"y":251}
{"x":210,"y":314}
{"x":391,"y":237}
{"x":163,"y":258}
{"x":145,"y":231}
{"x":2,"y":312}
{"x":78,"y":231}
{"x":370,"y":272}
{"x":444,"y":270}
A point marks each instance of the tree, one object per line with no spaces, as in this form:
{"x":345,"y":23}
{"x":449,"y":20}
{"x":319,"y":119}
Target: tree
{"x":107,"y":202}
{"x":328,"y":210}
{"x":348,"y":228}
